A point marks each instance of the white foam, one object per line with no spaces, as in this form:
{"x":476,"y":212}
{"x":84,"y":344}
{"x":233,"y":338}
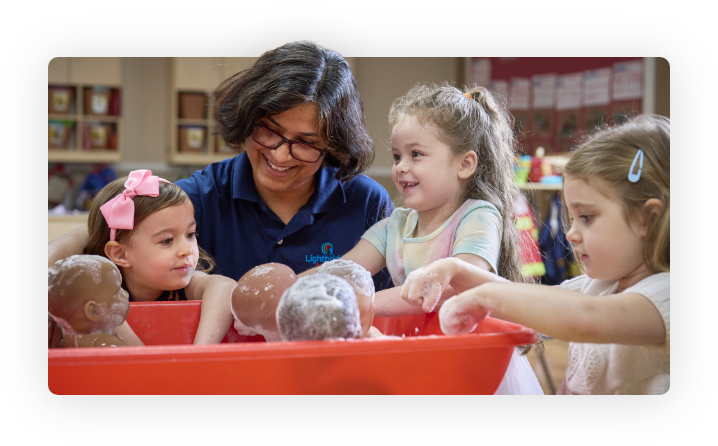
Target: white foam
{"x":110,"y":318}
{"x":454,"y":319}
{"x":243,"y":329}
{"x":320,"y":306}
{"x":262,"y":270}
{"x":424,"y":288}
{"x":357,"y":276}
{"x":89,"y":264}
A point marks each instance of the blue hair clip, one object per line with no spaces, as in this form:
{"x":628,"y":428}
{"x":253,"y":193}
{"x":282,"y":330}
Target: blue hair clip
{"x":634,"y":177}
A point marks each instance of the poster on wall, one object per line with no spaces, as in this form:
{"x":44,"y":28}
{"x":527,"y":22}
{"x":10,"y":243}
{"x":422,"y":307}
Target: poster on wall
{"x":557,"y":100}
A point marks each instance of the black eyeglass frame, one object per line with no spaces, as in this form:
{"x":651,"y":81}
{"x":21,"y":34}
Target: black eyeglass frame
{"x":291,"y":143}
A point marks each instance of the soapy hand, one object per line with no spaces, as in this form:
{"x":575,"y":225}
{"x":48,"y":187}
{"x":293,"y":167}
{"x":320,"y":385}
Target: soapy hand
{"x":461,"y":314}
{"x":423,"y":287}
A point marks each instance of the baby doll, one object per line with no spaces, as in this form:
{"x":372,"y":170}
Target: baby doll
{"x":85,"y":298}
{"x":317,"y":307}
{"x":360,"y":280}
{"x":255,"y":298}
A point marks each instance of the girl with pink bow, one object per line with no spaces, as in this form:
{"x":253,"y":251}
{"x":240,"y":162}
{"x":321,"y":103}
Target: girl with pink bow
{"x":146,"y":226}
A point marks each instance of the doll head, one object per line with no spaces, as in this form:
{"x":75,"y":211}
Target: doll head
{"x":318,"y":307}
{"x":362,"y":284}
{"x":255,"y":298}
{"x":84,"y":295}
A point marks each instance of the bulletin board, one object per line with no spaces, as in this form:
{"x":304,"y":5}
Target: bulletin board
{"x":555,"y":101}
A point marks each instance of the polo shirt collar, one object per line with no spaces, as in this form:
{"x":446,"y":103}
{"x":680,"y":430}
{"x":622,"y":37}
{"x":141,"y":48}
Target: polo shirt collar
{"x":242,"y":180}
{"x":328,"y":191}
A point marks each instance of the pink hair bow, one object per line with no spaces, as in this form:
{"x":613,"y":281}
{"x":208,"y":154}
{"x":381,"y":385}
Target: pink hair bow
{"x":119,"y":212}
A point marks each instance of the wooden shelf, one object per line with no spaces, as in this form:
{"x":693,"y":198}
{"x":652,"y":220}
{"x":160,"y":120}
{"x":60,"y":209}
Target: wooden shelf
{"x":199,"y":75}
{"x":83,"y":75}
{"x":100,"y":118}
{"x":199,"y":122}
{"x":56,"y":117}
{"x":198,"y":159}
{"x":84,"y":156}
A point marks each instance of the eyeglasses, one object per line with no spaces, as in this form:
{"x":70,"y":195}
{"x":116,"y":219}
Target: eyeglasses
{"x":299,"y":150}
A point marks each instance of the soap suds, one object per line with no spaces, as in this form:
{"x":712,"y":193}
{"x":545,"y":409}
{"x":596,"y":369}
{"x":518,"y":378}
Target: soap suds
{"x":316,"y":307}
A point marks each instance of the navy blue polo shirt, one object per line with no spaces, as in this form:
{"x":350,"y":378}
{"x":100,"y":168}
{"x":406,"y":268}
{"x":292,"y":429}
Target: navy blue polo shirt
{"x":240,"y":232}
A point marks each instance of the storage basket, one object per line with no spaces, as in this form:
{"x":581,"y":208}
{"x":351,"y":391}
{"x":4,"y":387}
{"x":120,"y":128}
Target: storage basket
{"x":60,"y":100}
{"x":192,"y":106}
{"x":192,"y":139}
{"x":97,"y":101}
{"x":59,"y":133}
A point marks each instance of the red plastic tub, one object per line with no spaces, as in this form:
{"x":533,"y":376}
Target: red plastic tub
{"x":423,"y":361}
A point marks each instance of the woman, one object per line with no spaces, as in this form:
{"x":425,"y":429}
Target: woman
{"x":295,"y":194}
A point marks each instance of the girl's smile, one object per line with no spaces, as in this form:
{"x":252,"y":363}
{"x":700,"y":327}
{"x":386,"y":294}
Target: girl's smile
{"x":425,"y":170}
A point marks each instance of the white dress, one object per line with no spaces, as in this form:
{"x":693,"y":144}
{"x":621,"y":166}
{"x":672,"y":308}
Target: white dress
{"x":520,"y":378}
{"x":615,"y":369}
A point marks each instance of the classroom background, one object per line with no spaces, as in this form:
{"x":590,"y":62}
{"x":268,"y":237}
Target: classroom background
{"x":108,"y":116}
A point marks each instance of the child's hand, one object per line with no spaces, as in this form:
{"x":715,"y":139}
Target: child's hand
{"x":423,"y":287}
{"x":461,"y":314}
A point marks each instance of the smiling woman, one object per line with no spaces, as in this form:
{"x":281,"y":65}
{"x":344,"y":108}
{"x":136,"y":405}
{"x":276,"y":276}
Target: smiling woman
{"x":297,"y":118}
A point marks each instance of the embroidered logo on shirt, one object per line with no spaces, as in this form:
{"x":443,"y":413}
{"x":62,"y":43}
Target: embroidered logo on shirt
{"x":327,"y":254}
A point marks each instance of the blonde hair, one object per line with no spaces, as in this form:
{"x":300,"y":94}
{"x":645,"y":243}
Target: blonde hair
{"x":170,"y":195}
{"x":608,"y":154}
{"x":474,"y":120}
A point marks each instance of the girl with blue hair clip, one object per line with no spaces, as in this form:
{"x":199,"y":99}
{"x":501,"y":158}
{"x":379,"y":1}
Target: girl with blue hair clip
{"x":616,"y":200}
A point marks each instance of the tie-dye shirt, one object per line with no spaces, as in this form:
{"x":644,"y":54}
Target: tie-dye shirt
{"x":475,"y":228}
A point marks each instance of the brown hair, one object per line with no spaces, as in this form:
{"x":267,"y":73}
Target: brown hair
{"x":483,"y":125}
{"x":608,"y":155}
{"x":286,"y":77}
{"x":170,"y":195}
{"x":476,"y":120}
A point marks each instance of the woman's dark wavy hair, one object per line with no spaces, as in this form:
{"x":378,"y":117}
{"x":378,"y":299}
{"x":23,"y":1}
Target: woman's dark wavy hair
{"x":286,"y":77}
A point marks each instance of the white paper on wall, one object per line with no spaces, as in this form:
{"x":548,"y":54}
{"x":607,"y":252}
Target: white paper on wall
{"x":596,"y":85}
{"x":628,"y":80}
{"x":568,"y":91}
{"x":500,"y":87}
{"x":480,"y":71}
{"x":544,"y":90}
{"x":519,"y":93}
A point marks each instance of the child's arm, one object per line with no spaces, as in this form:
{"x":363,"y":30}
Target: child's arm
{"x":215,"y":291}
{"x":429,"y":288}
{"x":125,"y":333}
{"x":365,"y":254}
{"x":623,"y":318}
{"x":432,"y":284}
{"x":72,"y":243}
{"x":389,"y":302}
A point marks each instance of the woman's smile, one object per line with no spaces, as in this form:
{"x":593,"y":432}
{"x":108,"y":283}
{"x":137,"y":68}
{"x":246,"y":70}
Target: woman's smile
{"x":276,"y":169}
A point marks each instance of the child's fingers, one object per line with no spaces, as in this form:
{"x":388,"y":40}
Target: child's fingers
{"x":422,"y":289}
{"x":431,"y":296}
{"x":461,"y":315}
{"x":408,"y":293}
